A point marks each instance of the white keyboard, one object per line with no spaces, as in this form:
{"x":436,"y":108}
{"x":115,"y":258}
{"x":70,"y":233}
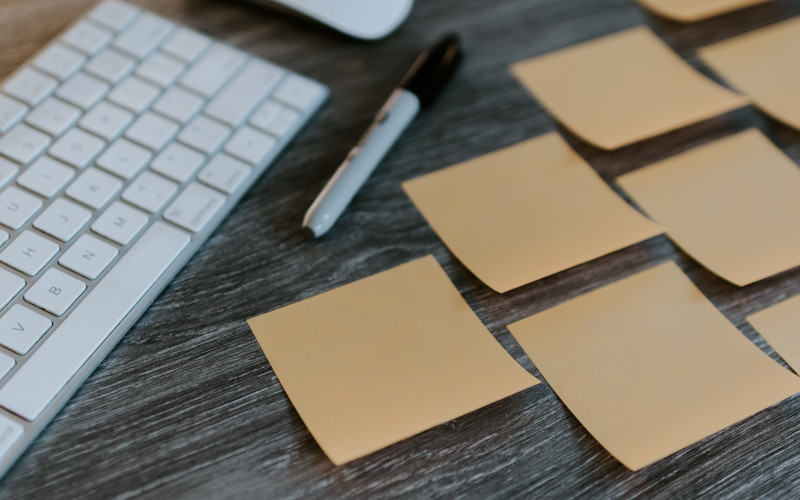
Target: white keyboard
{"x":123,"y":144}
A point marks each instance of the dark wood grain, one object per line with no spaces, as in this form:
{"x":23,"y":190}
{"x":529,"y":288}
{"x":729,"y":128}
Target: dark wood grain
{"x":187,"y":406}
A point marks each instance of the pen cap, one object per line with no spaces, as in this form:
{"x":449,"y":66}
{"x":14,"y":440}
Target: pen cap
{"x":433,"y":69}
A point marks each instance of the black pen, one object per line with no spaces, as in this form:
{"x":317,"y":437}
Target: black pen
{"x":418,"y":89}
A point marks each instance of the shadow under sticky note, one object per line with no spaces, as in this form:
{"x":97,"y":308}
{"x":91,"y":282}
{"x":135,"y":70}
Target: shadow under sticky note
{"x":623,"y":88}
{"x":379,"y":360}
{"x":763,"y":65}
{"x":780,"y":326}
{"x":733,"y":205}
{"x":526,"y":212}
{"x":689,"y":11}
{"x":649,"y":366}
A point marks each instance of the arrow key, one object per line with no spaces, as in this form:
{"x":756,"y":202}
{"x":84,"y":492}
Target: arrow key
{"x":21,"y":328}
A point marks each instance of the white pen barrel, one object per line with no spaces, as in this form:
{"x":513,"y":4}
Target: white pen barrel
{"x":399,"y":110}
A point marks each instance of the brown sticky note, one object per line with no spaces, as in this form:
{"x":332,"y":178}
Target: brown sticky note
{"x":733,"y":205}
{"x":376,"y":361}
{"x":623,"y":88}
{"x":525,"y":212}
{"x":689,"y":11}
{"x":763,"y":65}
{"x":780,"y":326}
{"x":649,"y":366}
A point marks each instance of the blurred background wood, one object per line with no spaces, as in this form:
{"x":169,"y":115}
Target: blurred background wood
{"x":187,"y":406}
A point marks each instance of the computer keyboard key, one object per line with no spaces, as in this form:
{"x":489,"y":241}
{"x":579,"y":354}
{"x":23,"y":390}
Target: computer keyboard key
{"x":11,"y":112}
{"x":7,"y":171}
{"x":59,"y":61}
{"x":94,"y":188}
{"x":160,"y":69}
{"x":244,"y":92}
{"x":213,"y":69}
{"x":110,"y":65}
{"x":106,"y":120}
{"x":10,"y":432}
{"x":149,"y":192}
{"x":297,"y":91}
{"x":120,"y":223}
{"x":53,"y":116}
{"x":82,"y":90}
{"x":10,"y":286}
{"x":88,"y":256}
{"x":23,"y":144}
{"x":55,"y":292}
{"x":29,"y":253}
{"x":17,"y":207}
{"x":282,"y":122}
{"x":134,"y":94}
{"x":30,"y":86}
{"x":144,"y":35}
{"x":3,"y":237}
{"x":114,"y":15}
{"x":224,"y":173}
{"x":186,"y":44}
{"x":124,"y":158}
{"x":53,"y":364}
{"x":6,"y":364}
{"x":204,"y":134}
{"x":77,"y":148}
{"x":152,"y":131}
{"x":87,"y":37}
{"x":250,"y":145}
{"x":62,"y":219}
{"x":21,"y":328}
{"x":45,"y":177}
{"x":264,"y":113}
{"x":178,"y":104}
{"x":194,"y":207}
{"x":177,"y":162}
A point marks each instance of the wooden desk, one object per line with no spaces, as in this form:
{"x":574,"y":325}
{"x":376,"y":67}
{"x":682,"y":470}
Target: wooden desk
{"x":187,"y":406}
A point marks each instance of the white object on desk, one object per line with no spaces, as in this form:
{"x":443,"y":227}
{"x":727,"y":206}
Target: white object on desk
{"x":365,"y":19}
{"x":100,"y":200}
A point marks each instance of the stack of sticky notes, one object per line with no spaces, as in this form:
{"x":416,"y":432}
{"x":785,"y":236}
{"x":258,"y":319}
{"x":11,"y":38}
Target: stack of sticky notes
{"x":526,"y":212}
{"x":688,"y":11}
{"x":763,"y":64}
{"x":780,"y":326}
{"x":647,"y":364}
{"x":623,"y":88}
{"x":732,"y":204}
{"x":384,"y":358}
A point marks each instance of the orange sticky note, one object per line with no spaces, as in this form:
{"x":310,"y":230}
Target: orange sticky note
{"x":763,"y":65}
{"x":733,"y":205}
{"x":381,"y":359}
{"x":780,"y":326}
{"x":649,"y":366}
{"x":526,"y":212}
{"x":689,"y":11}
{"x":623,"y":88}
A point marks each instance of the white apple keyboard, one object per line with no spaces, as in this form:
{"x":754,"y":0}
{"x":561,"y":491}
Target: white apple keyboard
{"x":123,"y":145}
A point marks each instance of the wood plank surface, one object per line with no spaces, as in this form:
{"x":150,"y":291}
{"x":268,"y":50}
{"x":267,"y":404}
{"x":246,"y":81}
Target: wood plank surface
{"x":187,"y":407}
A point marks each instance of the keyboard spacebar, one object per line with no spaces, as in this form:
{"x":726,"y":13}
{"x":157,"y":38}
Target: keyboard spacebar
{"x":45,"y":373}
